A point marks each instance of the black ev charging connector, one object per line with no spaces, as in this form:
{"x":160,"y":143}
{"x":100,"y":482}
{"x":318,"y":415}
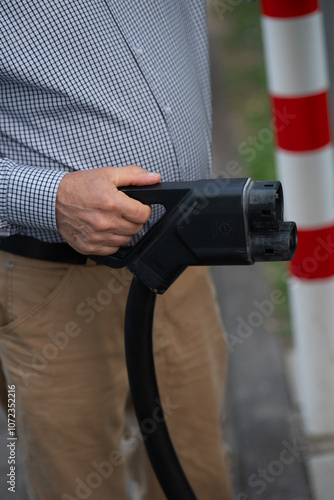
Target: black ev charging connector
{"x":206,"y":222}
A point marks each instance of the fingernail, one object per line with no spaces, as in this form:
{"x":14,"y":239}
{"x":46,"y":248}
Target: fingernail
{"x":153,"y":174}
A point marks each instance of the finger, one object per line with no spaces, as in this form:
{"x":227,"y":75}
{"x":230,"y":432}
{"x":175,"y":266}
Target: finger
{"x":108,"y":244}
{"x":132,"y":175}
{"x":106,"y":250}
{"x":128,"y":228}
{"x":116,"y":240}
{"x":133,"y":210}
{"x":113,"y":224}
{"x":100,"y":250}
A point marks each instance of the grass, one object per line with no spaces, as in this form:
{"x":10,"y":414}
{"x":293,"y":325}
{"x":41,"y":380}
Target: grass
{"x":241,"y":45}
{"x":245,"y":80}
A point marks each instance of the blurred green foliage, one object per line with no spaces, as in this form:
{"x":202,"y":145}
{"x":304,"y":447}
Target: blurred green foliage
{"x":245,"y":80}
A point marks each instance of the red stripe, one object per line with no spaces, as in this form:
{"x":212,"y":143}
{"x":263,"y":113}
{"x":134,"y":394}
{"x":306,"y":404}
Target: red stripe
{"x":314,"y":258}
{"x":289,"y":8}
{"x":302,"y":123}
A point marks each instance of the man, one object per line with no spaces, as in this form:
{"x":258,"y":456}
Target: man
{"x":99,"y":95}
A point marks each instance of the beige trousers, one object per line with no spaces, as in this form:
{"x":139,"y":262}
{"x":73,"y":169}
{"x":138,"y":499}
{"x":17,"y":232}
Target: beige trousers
{"x":61,"y":344}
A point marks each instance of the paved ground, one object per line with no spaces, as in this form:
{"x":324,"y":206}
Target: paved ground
{"x":262,"y":427}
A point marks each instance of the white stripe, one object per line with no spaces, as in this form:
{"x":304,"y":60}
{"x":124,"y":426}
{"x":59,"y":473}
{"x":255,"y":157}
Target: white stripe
{"x":308,"y":186}
{"x":295,"y":55}
{"x":312,"y":305}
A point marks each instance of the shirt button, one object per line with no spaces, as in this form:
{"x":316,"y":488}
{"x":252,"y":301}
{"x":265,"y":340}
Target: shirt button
{"x":138,"y":50}
{"x":168,"y":109}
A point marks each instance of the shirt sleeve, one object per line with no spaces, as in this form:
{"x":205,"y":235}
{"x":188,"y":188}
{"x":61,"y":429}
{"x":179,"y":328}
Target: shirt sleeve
{"x":27,"y":197}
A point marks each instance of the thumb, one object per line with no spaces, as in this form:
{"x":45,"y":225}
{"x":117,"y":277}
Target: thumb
{"x":132,"y":175}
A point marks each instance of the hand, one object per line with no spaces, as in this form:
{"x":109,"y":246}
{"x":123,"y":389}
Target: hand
{"x":93,"y":216}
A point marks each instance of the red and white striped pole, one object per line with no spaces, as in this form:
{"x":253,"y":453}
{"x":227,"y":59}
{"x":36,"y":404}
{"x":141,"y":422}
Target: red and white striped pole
{"x":298,"y":83}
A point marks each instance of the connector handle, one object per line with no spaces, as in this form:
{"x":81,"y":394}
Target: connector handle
{"x":168,"y":194}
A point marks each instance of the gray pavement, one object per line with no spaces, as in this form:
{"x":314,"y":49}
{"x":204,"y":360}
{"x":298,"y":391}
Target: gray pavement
{"x":262,"y":426}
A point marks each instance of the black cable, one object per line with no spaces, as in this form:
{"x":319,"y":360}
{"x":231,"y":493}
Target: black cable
{"x":145,"y":394}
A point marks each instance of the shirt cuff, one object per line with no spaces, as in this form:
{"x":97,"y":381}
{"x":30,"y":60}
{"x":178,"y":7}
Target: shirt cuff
{"x":31,"y":195}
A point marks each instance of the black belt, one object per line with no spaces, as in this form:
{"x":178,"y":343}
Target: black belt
{"x":26,"y":246}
